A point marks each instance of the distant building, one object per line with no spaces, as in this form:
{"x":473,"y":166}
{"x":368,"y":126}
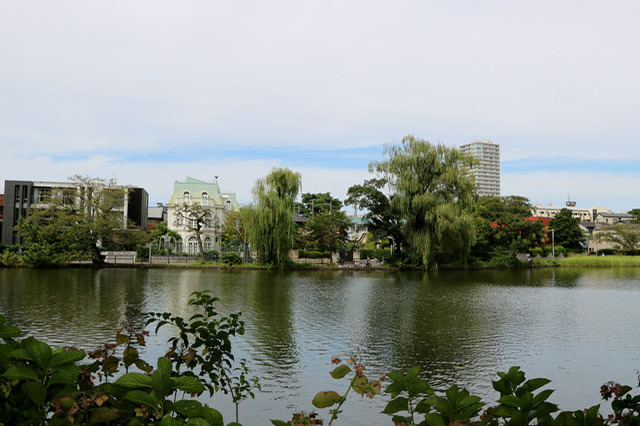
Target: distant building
{"x":358,"y":229}
{"x":156,"y":215}
{"x":614,"y":218}
{"x":20,"y":196}
{"x":207,"y":195}
{"x":487,"y":172}
{"x":585,"y":215}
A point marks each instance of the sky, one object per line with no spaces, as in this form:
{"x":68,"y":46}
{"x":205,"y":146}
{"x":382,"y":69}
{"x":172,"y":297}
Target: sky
{"x":149,"y":92}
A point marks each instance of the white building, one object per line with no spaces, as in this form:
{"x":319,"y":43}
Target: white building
{"x":585,"y":215}
{"x":208,"y":195}
{"x":487,"y":171}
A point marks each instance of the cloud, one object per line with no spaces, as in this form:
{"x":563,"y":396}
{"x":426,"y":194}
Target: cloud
{"x":147,"y":87}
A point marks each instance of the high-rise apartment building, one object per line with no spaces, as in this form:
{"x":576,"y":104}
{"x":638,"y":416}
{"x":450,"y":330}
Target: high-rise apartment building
{"x":487,"y":171}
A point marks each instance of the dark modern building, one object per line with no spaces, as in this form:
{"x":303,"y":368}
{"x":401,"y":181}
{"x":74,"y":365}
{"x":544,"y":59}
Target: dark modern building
{"x":20,"y":196}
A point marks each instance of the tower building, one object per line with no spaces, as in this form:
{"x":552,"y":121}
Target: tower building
{"x":487,"y":171}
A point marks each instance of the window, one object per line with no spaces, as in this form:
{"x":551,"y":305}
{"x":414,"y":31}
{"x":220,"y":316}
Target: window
{"x":207,"y":244}
{"x":44,"y":195}
{"x":228,"y":205}
{"x":192,"y":245}
{"x":186,"y":197}
{"x":178,"y":245}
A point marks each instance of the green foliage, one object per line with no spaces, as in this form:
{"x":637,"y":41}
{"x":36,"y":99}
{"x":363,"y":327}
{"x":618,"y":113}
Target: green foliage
{"x":626,"y":237}
{"x":11,"y":259}
{"x":537,"y":251}
{"x":636,"y":215}
{"x":142,"y":253}
{"x":328,"y":230}
{"x":203,"y":346}
{"x":161,"y":237}
{"x":359,"y":382}
{"x":433,"y":196}
{"x":42,"y":385}
{"x":313,"y":254}
{"x":211,"y":256}
{"x":560,"y":251}
{"x":505,"y":260}
{"x":375,"y":254}
{"x":75,"y":221}
{"x":270,"y":225}
{"x":382,"y":221}
{"x":230,"y":258}
{"x":518,"y":403}
{"x":567,"y":230}
{"x":313,"y":204}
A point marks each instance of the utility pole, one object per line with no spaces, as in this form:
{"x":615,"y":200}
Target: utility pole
{"x":553,"y":244}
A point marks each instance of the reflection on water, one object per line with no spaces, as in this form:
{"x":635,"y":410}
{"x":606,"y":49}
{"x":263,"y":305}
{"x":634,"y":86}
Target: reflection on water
{"x":578,"y":327}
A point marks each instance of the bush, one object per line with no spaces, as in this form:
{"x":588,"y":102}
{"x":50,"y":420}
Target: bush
{"x":11,"y":259}
{"x":505,"y":260}
{"x":142,"y":253}
{"x":561,"y":251}
{"x":211,"y":255}
{"x":312,"y":254}
{"x":230,"y":258}
{"x":375,"y":253}
{"x":537,"y":251}
{"x":42,"y":255}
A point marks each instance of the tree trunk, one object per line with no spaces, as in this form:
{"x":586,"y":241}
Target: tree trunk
{"x":200,"y":247}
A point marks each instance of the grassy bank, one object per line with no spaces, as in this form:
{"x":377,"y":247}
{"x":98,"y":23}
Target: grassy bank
{"x":591,"y":261}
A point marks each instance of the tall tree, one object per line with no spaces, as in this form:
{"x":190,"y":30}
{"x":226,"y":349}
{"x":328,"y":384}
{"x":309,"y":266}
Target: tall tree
{"x":434,"y":196}
{"x":271,"y":227}
{"x":313,"y":204}
{"x":328,"y":230}
{"x":195,"y":217}
{"x":567,"y":229}
{"x":382,"y":221}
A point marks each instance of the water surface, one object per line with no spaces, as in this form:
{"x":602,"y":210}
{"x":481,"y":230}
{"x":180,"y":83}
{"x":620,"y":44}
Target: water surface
{"x":577,"y":327}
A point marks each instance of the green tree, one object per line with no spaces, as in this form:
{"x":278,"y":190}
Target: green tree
{"x":433,"y":195}
{"x":313,"y":204}
{"x":567,"y":229}
{"x":511,"y":231}
{"x":270,"y":227}
{"x":195,"y":218}
{"x":625,"y":236}
{"x":328,"y":230}
{"x":76,"y":223}
{"x":382,"y":221}
{"x":636,"y":215}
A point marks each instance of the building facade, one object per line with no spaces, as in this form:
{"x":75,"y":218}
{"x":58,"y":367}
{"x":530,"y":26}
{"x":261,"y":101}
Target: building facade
{"x":21,"y":196}
{"x":486,"y":172}
{"x":585,"y":215}
{"x":208,"y":195}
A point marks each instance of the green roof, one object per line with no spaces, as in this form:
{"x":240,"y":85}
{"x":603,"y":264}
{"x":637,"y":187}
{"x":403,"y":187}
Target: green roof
{"x":196,"y":188}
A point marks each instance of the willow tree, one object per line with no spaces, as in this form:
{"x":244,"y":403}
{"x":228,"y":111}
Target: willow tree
{"x":433,"y":195}
{"x":270,"y":226}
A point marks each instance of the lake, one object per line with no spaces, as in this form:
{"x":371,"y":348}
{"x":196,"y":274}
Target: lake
{"x":578,"y":327}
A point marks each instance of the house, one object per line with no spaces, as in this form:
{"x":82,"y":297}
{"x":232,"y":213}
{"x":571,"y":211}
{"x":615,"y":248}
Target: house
{"x":156,"y":215}
{"x":613,"y":218}
{"x":20,"y":196}
{"x":551,"y":211}
{"x":193,"y":191}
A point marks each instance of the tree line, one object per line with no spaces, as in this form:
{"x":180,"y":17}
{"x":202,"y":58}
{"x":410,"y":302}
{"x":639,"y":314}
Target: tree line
{"x":419,"y":205}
